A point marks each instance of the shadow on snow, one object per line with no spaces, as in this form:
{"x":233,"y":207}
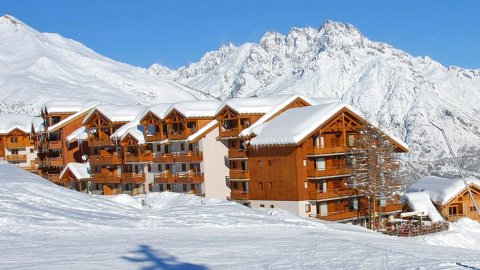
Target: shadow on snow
{"x":154,"y":260}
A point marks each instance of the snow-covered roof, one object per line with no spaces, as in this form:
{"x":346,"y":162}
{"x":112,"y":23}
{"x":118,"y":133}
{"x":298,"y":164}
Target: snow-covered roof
{"x":119,"y":113}
{"x":420,"y":202}
{"x":80,"y":170}
{"x":441,"y":190}
{"x":72,"y":117}
{"x":159,"y":110}
{"x":202,"y":131}
{"x":195,"y":108}
{"x":258,"y":105}
{"x":67,"y":106}
{"x":23,"y":122}
{"x":292,"y":126}
{"x":281,"y":103}
{"x":80,"y":134}
{"x":130,"y":128}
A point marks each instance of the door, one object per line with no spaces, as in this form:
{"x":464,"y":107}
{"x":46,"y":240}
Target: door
{"x":323,"y":209}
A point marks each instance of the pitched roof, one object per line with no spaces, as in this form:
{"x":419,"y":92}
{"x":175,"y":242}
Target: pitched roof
{"x":258,"y":105}
{"x":159,"y":110}
{"x":67,"y":106}
{"x":80,"y":170}
{"x":72,"y":117}
{"x":23,"y":122}
{"x":80,"y":134}
{"x":420,"y":202}
{"x":195,"y":108}
{"x":131,"y":128}
{"x":440,"y":189}
{"x":119,"y":113}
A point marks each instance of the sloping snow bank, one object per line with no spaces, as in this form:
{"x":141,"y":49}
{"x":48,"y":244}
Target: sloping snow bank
{"x":464,"y":233}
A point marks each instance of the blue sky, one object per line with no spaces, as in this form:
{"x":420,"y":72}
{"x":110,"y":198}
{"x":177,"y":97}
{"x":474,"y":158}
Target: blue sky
{"x":176,"y":33}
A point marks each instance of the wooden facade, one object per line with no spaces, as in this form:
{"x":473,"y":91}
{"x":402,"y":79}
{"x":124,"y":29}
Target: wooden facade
{"x":316,"y":171}
{"x":17,"y":147}
{"x":53,"y":150}
{"x":461,"y":205}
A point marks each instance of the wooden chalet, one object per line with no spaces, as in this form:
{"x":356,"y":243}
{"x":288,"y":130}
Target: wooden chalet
{"x":449,"y":196}
{"x":299,"y":161}
{"x":61,"y":119}
{"x":17,"y":140}
{"x":236,"y":118}
{"x":76,"y":176}
{"x":117,"y":160}
{"x":178,"y":134}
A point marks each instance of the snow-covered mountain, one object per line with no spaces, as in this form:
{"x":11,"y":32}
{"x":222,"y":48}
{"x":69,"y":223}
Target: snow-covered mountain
{"x":36,"y":67}
{"x":400,"y":92}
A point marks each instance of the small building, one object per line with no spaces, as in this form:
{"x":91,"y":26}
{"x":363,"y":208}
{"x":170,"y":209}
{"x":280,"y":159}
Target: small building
{"x":76,"y":176}
{"x":16,"y":139}
{"x":449,"y":196}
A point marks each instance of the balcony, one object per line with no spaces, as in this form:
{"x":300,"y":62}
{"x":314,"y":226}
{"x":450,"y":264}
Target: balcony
{"x":331,"y":194}
{"x":182,"y":178}
{"x":339,"y":216}
{"x":105,"y":160}
{"x":133,"y":178}
{"x":138,"y":158}
{"x":16,"y":158}
{"x":52,"y":177}
{"x":16,"y":145}
{"x":391,"y":208}
{"x":190,"y":156}
{"x":237,"y":154}
{"x":102,"y":141}
{"x":109,"y":178}
{"x":181,"y":134}
{"x":55,"y":161}
{"x":239,"y":175}
{"x":230,"y":133}
{"x":327,"y":150}
{"x":329,"y":172}
{"x":55,"y":145}
{"x":155,"y":137}
{"x":239,"y":195}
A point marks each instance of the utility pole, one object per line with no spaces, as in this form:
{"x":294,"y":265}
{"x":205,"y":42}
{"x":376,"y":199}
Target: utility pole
{"x":458,"y":167}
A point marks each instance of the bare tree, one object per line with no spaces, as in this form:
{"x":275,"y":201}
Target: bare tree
{"x":375,"y":170}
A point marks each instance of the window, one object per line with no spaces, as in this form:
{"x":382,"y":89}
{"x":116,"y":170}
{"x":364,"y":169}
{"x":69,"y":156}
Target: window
{"x":452,"y":211}
{"x":184,"y":187}
{"x":262,"y":205}
{"x":305,"y":163}
{"x":14,"y":151}
{"x":320,"y":164}
{"x":270,"y":185}
{"x":308,"y":208}
{"x":13,"y":139}
{"x":272,"y":206}
{"x":350,"y":140}
{"x":270,"y":163}
{"x":160,"y":187}
{"x":184,"y":167}
{"x":235,"y":185}
{"x":151,"y":130}
{"x":169,"y":186}
{"x":31,"y":150}
{"x":182,"y":147}
{"x":472,"y":209}
{"x":261,"y":185}
{"x":260,"y":163}
{"x":245,"y":122}
{"x":159,"y":147}
{"x":305,"y":184}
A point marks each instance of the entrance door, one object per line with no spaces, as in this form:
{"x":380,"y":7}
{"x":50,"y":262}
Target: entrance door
{"x":323,"y":209}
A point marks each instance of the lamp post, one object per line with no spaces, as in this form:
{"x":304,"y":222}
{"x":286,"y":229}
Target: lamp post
{"x":458,"y":167}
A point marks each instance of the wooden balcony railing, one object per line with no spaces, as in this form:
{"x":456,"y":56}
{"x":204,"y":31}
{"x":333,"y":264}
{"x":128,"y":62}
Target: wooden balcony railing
{"x":132,"y":178}
{"x":55,"y":145}
{"x":155,"y":138}
{"x":190,"y":156}
{"x":16,"y":157}
{"x":332,"y":193}
{"x":105,"y":160}
{"x":52,"y":177}
{"x":327,"y":149}
{"x":16,"y":145}
{"x":239,"y":175}
{"x":337,"y":216}
{"x":229,"y":133}
{"x":181,"y":134}
{"x":100,"y":141}
{"x":329,"y":171}
{"x":55,"y":161}
{"x":139,"y":158}
{"x":109,"y":178}
{"x":183,"y":178}
{"x":239,"y":195}
{"x":237,"y":153}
